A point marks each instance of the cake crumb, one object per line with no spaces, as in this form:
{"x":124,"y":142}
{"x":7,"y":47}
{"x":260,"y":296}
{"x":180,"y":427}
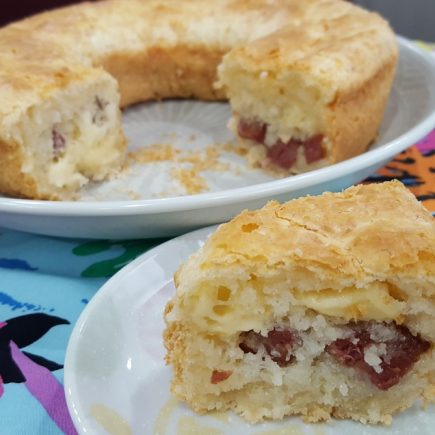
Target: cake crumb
{"x":231,"y":147}
{"x":190,"y":180}
{"x":205,"y":161}
{"x":154,"y":153}
{"x":188,"y":165}
{"x":132,"y":194}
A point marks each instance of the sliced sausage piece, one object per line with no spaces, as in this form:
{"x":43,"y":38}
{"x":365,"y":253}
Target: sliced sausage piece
{"x":402,"y":351}
{"x":279,"y":344}
{"x":284,"y":154}
{"x":313,"y":150}
{"x":59,"y":143}
{"x":252,"y":130}
{"x":219,"y":376}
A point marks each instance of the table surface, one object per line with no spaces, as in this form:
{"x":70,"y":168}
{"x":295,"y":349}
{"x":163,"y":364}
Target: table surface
{"x":45,"y":283}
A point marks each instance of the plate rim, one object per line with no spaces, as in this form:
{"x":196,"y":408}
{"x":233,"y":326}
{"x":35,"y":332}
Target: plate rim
{"x":74,"y":339}
{"x":232,"y":196}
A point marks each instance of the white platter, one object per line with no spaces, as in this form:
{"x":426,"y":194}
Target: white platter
{"x":107,"y":210}
{"x":116,"y":381}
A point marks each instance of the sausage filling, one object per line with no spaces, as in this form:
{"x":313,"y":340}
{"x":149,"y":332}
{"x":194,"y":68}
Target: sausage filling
{"x":282,"y":154}
{"x":395,"y":352}
{"x":278,"y":344}
{"x":384,"y":352}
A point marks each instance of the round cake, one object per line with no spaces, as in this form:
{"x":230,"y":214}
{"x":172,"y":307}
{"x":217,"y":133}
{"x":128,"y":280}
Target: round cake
{"x":307,"y":82}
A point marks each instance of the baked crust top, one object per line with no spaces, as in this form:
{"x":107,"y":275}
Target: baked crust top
{"x":339,"y":42}
{"x":367,"y":230}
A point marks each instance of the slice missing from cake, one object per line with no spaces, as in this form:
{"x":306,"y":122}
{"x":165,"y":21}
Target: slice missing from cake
{"x":323,"y":306}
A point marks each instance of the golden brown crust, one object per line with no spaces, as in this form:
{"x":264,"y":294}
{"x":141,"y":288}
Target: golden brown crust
{"x":12,"y":181}
{"x":158,"y":73}
{"x":353,"y":119}
{"x":340,"y":232}
{"x":333,"y":50}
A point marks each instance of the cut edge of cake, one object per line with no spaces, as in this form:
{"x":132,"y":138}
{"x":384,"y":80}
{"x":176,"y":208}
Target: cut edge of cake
{"x":307,"y":96}
{"x":53,"y":146}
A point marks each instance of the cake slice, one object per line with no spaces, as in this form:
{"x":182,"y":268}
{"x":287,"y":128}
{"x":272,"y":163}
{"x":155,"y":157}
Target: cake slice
{"x":64,"y":130}
{"x":312,"y":93}
{"x":323,"y":306}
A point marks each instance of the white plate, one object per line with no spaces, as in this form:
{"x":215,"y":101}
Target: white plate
{"x":116,"y":380}
{"x":410,"y":115}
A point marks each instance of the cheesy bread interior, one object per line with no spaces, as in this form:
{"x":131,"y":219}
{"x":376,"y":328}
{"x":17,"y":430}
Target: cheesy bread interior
{"x":319,"y":307}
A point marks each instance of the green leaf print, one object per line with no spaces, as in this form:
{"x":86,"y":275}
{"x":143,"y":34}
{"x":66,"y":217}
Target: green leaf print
{"x":106,"y":268}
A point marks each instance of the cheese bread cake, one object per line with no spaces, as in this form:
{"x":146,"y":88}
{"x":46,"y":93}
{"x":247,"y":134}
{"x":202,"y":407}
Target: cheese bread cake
{"x":321,"y":307}
{"x":307,"y":81}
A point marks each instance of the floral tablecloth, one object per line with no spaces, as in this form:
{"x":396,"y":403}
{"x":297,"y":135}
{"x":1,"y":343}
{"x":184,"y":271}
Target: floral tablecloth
{"x":45,"y":283}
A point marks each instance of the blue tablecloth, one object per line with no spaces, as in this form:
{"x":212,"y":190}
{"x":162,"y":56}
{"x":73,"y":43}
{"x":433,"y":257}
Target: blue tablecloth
{"x":44,"y":285}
